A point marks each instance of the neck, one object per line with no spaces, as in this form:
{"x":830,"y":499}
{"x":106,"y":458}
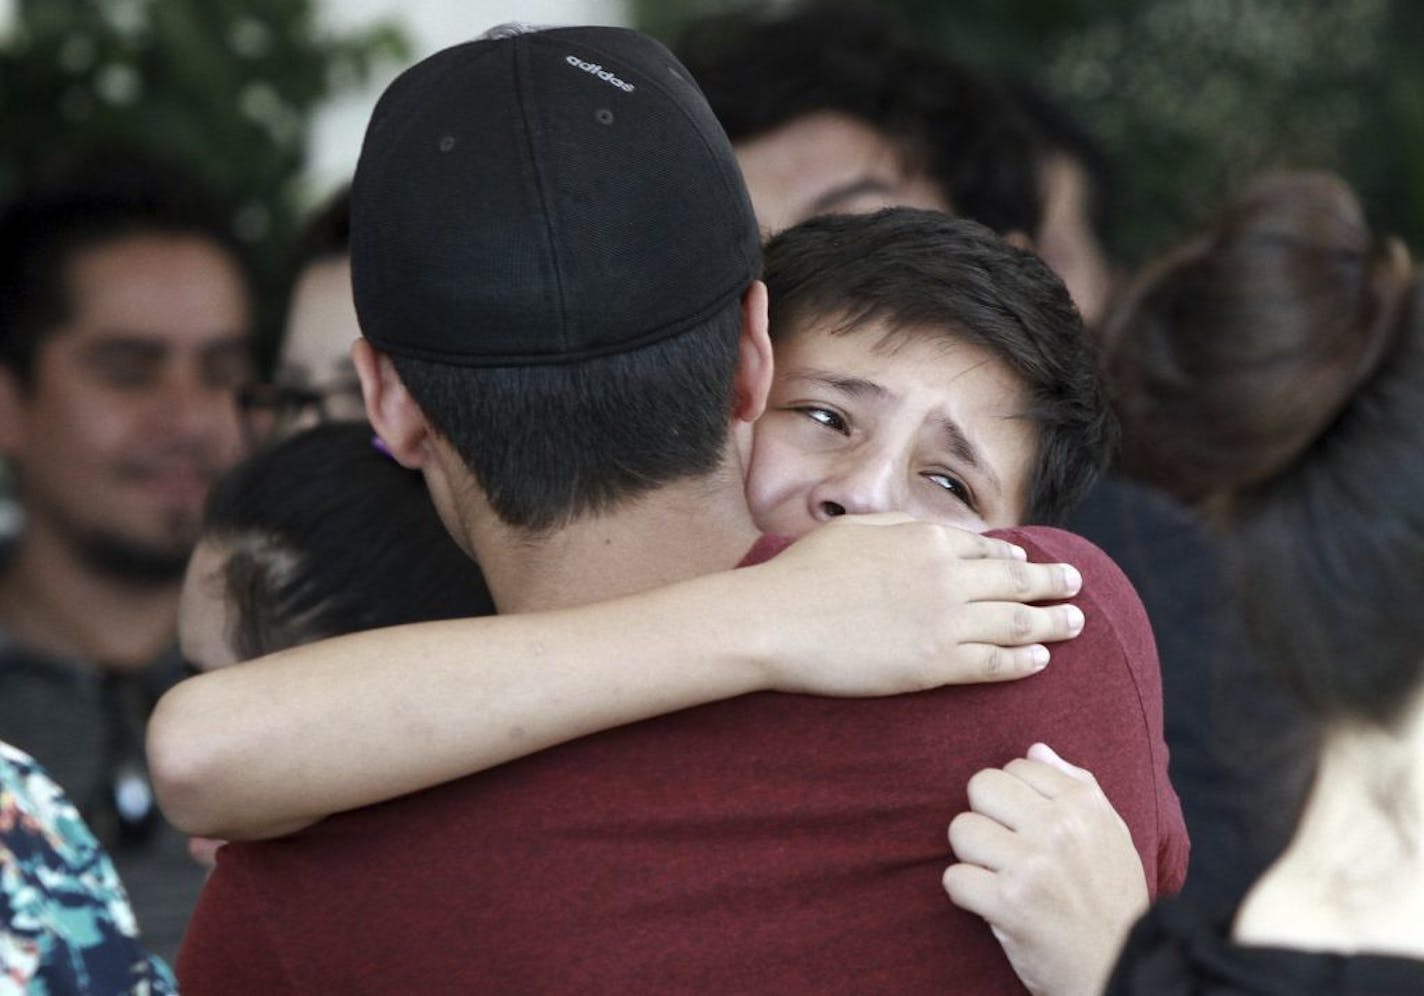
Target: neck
{"x":1352,"y":879}
{"x":52,"y":602}
{"x":676,"y":532}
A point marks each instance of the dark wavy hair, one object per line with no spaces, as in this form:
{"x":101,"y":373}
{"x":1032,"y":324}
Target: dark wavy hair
{"x":762,"y":69}
{"x":326,"y":535}
{"x":75,"y":207}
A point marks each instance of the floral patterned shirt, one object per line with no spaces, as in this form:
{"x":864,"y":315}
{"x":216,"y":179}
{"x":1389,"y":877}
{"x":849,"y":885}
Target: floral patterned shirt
{"x":65,"y":921}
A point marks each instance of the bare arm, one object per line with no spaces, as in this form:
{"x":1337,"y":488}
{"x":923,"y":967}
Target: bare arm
{"x":1048,"y":862}
{"x":853,"y":609}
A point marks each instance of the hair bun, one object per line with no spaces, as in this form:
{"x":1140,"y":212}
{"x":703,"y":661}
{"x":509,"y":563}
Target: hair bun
{"x":1233,"y":354}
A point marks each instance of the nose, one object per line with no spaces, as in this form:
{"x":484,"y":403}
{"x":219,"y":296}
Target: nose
{"x":196,"y":409}
{"x":861,"y":485}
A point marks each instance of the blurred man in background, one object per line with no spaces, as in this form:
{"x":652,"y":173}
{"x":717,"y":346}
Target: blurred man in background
{"x":125,"y":333}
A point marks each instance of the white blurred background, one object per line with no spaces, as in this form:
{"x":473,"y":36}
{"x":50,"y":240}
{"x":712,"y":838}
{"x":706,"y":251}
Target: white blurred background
{"x":430,"y":25}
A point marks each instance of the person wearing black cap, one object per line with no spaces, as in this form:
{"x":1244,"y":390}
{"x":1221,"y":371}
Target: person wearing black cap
{"x":555,"y":263}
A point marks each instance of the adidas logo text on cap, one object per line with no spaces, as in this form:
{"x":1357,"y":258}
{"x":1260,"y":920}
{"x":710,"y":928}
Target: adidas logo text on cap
{"x":599,"y":71}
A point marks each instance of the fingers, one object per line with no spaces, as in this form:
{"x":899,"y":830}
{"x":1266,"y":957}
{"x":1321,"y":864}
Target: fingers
{"x":960,"y":543}
{"x":978,"y":840}
{"x":1001,"y":580}
{"x":1005,"y":798}
{"x":1009,"y":624}
{"x":1045,"y":779}
{"x":975,"y":663}
{"x":988,"y":548}
{"x":872,"y":519}
{"x":1047,"y":755}
{"x":972,"y":888}
{"x":1044,"y":754}
{"x":1013,"y":577}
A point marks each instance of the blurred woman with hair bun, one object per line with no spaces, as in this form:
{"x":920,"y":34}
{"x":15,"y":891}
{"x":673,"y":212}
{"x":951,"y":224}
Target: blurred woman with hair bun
{"x":1271,"y":374}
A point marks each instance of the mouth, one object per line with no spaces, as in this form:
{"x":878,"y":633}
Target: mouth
{"x":172,"y":484}
{"x":181,"y":487}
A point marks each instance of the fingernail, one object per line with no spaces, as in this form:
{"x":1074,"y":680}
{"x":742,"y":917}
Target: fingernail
{"x":1072,"y":579}
{"x":1038,"y":655}
{"x":1018,"y":552}
{"x":1075,"y":619}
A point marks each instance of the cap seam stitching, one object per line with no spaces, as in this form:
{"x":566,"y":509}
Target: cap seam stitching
{"x":521,"y":54}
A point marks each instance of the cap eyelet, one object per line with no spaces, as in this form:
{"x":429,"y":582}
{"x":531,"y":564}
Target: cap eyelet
{"x":447,"y":142}
{"x":603,"y":116}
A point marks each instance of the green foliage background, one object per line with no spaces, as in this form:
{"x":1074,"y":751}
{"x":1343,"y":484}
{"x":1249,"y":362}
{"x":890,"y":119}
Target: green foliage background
{"x":1191,"y":98}
{"x":225,"y":87}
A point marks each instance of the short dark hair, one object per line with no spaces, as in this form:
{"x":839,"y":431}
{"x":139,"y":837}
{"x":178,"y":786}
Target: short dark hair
{"x":761,"y":72}
{"x":552,"y":443}
{"x":326,"y":535}
{"x":113,"y":196}
{"x":922,"y":271}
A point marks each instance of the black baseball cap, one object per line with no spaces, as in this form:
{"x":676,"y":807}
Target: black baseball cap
{"x":545,"y":197}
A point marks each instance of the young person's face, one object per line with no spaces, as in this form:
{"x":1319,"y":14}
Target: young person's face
{"x":917,"y":423}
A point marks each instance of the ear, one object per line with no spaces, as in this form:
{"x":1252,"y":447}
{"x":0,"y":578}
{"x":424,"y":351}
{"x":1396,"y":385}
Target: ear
{"x":390,"y":409}
{"x":11,"y":413}
{"x":754,"y":359}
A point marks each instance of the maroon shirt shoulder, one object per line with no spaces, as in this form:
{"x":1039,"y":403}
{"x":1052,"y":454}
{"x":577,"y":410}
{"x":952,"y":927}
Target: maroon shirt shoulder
{"x":768,"y":545}
{"x":768,"y":843}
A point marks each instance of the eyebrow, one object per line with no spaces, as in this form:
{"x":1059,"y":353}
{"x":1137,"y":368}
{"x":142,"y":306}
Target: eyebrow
{"x":149,"y":345}
{"x":963,"y":447}
{"x":847,"y":191}
{"x":856,"y":387}
{"x":124,"y":342}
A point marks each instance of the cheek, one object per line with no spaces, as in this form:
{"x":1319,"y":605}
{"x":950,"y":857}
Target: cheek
{"x":80,"y":428}
{"x":947,"y":512}
{"x":778,"y":477}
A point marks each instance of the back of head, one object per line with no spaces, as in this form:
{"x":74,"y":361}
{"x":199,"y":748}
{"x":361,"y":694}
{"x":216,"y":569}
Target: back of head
{"x":1234,"y":352}
{"x":926,"y":274}
{"x":1331,"y":551}
{"x":326,"y":535}
{"x":763,"y":70}
{"x":551,"y":239}
{"x":72,"y":208}
{"x":1271,"y":372}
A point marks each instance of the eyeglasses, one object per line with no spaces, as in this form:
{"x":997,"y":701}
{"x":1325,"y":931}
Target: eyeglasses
{"x":274,"y":410}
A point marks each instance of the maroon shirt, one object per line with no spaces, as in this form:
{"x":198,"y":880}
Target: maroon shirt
{"x":770,"y":843}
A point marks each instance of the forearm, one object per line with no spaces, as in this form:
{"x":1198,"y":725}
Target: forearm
{"x":266,"y":747}
{"x":852,"y":609}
